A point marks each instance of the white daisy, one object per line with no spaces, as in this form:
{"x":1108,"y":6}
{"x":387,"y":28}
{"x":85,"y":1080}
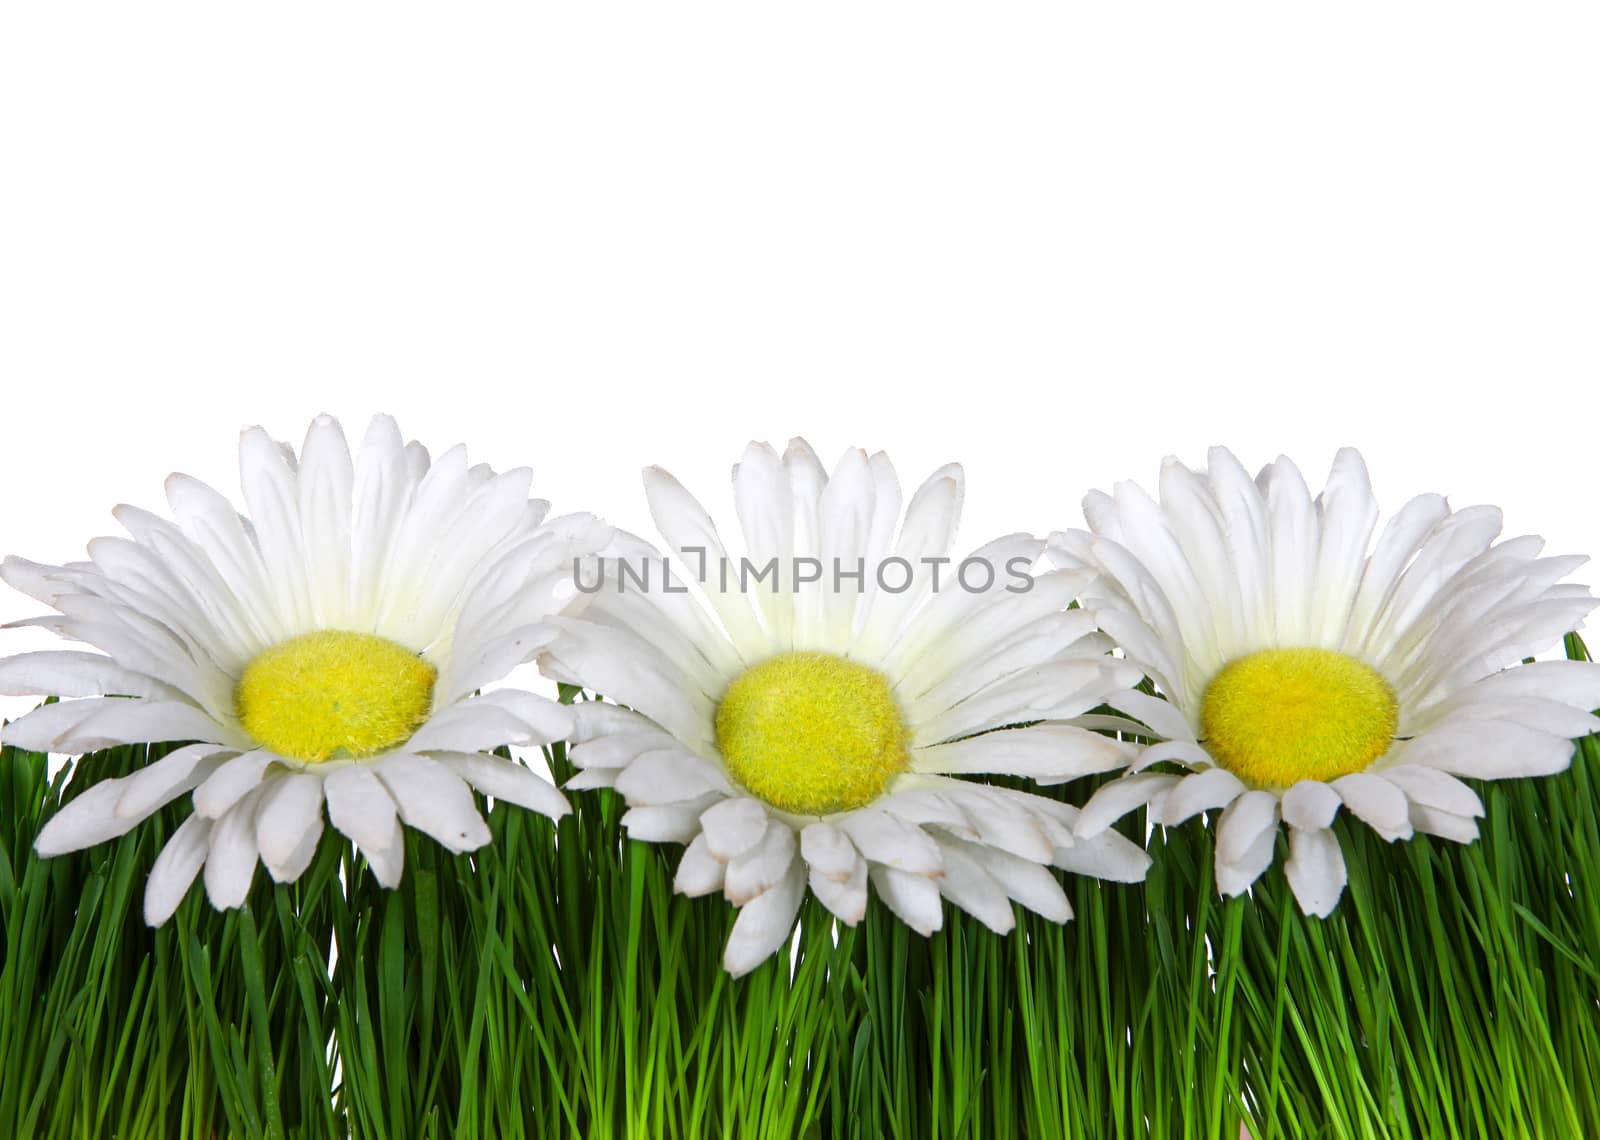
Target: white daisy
{"x":1303,"y":674}
{"x":329,"y":647}
{"x":793,"y":731}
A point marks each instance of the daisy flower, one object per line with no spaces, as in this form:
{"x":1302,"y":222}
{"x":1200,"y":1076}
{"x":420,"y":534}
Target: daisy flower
{"x":806,"y":713}
{"x":330,"y":648}
{"x":1304,"y":672}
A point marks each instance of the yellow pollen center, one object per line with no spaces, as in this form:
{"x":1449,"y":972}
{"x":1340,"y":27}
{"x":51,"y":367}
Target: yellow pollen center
{"x":334,"y":694}
{"x":812,"y":733}
{"x":1283,"y":715}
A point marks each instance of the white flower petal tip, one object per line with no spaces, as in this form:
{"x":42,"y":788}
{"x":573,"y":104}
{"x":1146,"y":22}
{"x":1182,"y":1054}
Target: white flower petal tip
{"x":88,"y":820}
{"x":289,"y":817}
{"x":1115,"y":799}
{"x":1315,"y":870}
{"x":450,"y":572}
{"x":764,"y":924}
{"x":506,"y":780}
{"x":1108,"y":856}
{"x":1210,"y":790}
{"x":699,"y":872}
{"x":175,"y":869}
{"x":977,"y":678}
{"x":845,"y":898}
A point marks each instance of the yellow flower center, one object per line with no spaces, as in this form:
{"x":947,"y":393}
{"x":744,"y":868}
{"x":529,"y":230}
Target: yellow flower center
{"x":1283,"y":715}
{"x":812,"y":733}
{"x":334,"y":694}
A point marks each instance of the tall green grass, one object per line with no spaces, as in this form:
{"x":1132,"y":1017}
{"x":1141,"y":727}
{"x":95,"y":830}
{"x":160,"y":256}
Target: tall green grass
{"x":551,"y":985}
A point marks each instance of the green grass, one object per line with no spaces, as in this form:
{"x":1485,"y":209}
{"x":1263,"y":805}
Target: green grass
{"x":551,"y":985}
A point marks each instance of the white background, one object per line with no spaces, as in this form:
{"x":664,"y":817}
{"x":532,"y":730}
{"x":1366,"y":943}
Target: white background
{"x":1055,"y":246}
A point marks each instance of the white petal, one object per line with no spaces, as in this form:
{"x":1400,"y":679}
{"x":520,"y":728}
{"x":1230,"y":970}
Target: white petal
{"x":763,"y":925}
{"x":1490,"y":750}
{"x":892,"y":842}
{"x":763,"y":866}
{"x":1310,"y":805}
{"x":37,"y":731}
{"x":388,"y":859}
{"x":629,"y":670}
{"x":1246,"y":819}
{"x":472,"y":726}
{"x":1295,"y":539}
{"x":138,"y":721}
{"x":230,"y":782}
{"x":1245,"y":529}
{"x":175,"y":868}
{"x":618,"y":749}
{"x":667,"y":823}
{"x":1235,"y":878}
{"x":213,"y":553}
{"x":1184,"y":752}
{"x":828,"y":851}
{"x":845,"y":514}
{"x":547,"y":720}
{"x":1475,"y":704}
{"x":1446,"y":825}
{"x":231,"y":861}
{"x":845,"y":896}
{"x":361,"y":807}
{"x":1165,"y":719}
{"x":291,"y":805}
{"x":765,"y":503}
{"x":158,"y":784}
{"x":931,"y":805}
{"x":39,"y":581}
{"x":1376,"y":802}
{"x":684,"y":523}
{"x":434,"y":800}
{"x":942,"y":623}
{"x":1574,"y":683}
{"x":382,"y":488}
{"x":1022,"y":879}
{"x":1059,"y":690}
{"x":928,"y":531}
{"x":591,"y":779}
{"x":1113,"y":800}
{"x":477,"y":665}
{"x":68,"y":673}
{"x":1401,"y":537}
{"x":1204,"y":791}
{"x":326,"y":480}
{"x":273,"y":498}
{"x":1315,"y":870}
{"x":1109,"y":856}
{"x":914,"y":898}
{"x":88,"y":819}
{"x":670,"y":776}
{"x":699,"y":871}
{"x":1048,"y":753}
{"x":966,"y":884}
{"x":734,"y":826}
{"x":506,"y":780}
{"x":1002,"y":633}
{"x":1001,"y":819}
{"x":1349,"y":512}
{"x":1435,"y":789}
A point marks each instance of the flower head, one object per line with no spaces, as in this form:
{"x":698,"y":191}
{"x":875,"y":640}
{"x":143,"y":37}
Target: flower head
{"x":1306,"y":671}
{"x":330,"y":647}
{"x":806,"y":713}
